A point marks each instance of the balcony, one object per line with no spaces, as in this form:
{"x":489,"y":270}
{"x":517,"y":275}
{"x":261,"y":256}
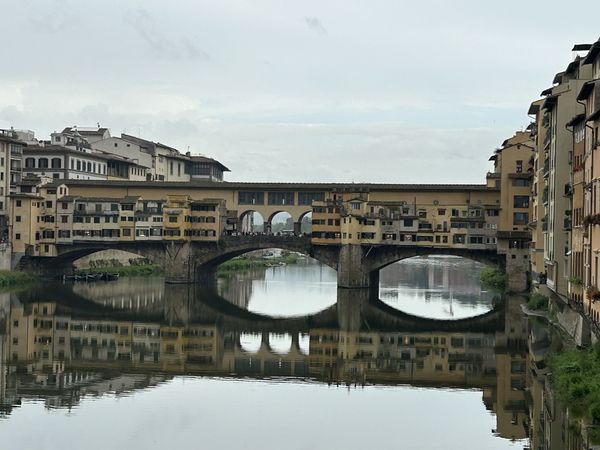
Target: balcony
{"x":546,"y":168}
{"x":567,"y":223}
{"x":545,"y":196}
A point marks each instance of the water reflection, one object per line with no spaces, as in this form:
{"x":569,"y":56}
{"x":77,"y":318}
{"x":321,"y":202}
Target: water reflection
{"x":69,"y":347}
{"x":286,"y":291}
{"x":443,"y":287}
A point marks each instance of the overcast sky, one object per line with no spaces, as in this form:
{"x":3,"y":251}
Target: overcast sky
{"x":379,"y":91}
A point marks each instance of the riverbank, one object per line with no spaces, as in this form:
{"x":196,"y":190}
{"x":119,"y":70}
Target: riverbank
{"x":11,"y":279}
{"x":125,"y":271}
{"x":244,"y":263}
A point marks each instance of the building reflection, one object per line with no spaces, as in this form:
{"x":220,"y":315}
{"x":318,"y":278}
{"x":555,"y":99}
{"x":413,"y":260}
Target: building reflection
{"x":61,"y":353}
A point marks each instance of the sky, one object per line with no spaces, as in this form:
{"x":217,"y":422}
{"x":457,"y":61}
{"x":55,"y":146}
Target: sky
{"x":385,"y":91}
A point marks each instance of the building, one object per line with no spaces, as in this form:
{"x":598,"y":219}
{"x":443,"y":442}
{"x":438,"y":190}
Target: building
{"x":513,"y":167}
{"x":558,"y":109}
{"x":537,"y":219}
{"x":457,"y":217}
{"x":11,"y":155}
{"x":587,"y":130}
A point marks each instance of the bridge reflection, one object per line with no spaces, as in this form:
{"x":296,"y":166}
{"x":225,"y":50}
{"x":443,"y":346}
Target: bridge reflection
{"x":62,"y":347}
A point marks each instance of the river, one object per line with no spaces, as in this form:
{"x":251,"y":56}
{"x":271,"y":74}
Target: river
{"x":275,"y":358}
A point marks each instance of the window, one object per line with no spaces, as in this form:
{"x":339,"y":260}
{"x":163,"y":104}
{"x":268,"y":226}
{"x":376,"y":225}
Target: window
{"x":18,"y":203}
{"x":520,"y":218}
{"x":354,"y":205}
{"x":521,"y":201}
{"x":520,"y":182}
{"x":43,"y":163}
{"x":306,"y":198}
{"x":251,"y":198}
{"x":17,"y":236}
{"x":30,"y":163}
{"x":441,"y":212}
{"x":519,"y":166}
{"x":56,"y":163}
{"x":49,"y":204}
{"x":172,"y":219}
{"x":17,"y":218}
{"x":281,"y":198}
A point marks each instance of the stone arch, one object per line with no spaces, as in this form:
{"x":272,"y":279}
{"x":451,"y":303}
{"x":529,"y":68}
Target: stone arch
{"x":247,"y":217}
{"x":285,"y":228}
{"x":301,"y":218}
{"x":385,"y":256}
{"x":245,"y":244}
{"x":381,"y":257}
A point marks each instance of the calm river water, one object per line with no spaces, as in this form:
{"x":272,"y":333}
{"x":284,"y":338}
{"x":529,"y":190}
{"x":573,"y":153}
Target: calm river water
{"x":274,"y":358}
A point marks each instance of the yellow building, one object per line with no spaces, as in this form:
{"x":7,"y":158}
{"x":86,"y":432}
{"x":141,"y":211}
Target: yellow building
{"x":513,"y":167}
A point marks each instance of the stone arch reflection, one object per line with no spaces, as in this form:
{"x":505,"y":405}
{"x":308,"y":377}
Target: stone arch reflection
{"x":443,"y":287}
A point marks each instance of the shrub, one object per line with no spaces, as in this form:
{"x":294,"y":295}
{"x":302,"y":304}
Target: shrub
{"x":493,"y":278}
{"x":538,"y":302}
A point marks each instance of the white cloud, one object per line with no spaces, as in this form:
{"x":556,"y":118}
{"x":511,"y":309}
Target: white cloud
{"x":396,"y":91}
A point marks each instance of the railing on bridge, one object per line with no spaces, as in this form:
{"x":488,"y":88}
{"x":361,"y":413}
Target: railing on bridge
{"x":266,"y":239}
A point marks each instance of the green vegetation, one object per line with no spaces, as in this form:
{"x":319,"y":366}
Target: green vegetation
{"x":125,"y":271}
{"x":576,"y":380}
{"x":246,"y":263}
{"x":576,"y":281}
{"x":538,"y":302}
{"x":9,"y":279}
{"x":493,"y":279}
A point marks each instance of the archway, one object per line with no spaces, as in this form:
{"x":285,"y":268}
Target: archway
{"x":436,"y":286}
{"x":282,"y":224}
{"x":251,"y":222}
{"x":277,"y":282}
{"x":305,"y":223}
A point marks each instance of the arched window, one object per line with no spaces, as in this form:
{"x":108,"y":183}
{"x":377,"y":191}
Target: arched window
{"x":30,"y":163}
{"x":43,"y":163}
{"x":56,"y":163}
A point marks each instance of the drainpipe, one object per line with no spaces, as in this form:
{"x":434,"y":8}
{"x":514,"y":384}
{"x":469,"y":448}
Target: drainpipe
{"x":589,"y":268}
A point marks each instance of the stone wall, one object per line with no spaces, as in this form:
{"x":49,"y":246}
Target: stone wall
{"x":106,"y":256}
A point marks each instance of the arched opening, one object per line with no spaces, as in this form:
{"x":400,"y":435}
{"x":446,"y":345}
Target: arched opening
{"x":305,"y":222}
{"x":277,"y":282}
{"x":251,"y":222}
{"x":436,"y":286}
{"x":280,"y":343}
{"x":250,"y":342}
{"x":282,"y":224}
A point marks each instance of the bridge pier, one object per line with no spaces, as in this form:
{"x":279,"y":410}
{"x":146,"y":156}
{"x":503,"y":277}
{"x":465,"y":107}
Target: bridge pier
{"x":351,"y":271}
{"x":177,"y":262}
{"x":517,"y":269}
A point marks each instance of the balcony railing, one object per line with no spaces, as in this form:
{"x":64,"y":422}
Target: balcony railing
{"x":567,"y":223}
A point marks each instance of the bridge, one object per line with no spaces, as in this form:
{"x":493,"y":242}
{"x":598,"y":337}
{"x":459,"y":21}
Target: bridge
{"x":190,"y":228}
{"x":357,"y":266}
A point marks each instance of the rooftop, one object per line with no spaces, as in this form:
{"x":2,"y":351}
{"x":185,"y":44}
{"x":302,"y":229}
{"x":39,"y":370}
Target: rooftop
{"x":337,"y":187}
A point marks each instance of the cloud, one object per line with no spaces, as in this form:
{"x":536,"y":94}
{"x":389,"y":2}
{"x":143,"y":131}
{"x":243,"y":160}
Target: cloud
{"x":315,"y":24}
{"x":144,"y":24}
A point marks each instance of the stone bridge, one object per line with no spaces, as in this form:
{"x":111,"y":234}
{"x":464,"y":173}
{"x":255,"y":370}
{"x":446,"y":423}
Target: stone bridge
{"x":188,"y":262}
